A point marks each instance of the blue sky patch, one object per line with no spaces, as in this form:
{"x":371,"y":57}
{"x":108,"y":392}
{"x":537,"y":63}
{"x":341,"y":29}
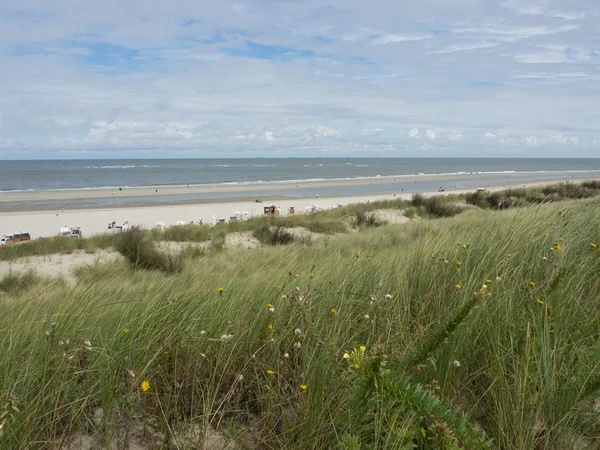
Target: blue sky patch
{"x":269,"y":52}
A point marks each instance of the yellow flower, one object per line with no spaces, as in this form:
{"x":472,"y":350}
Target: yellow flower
{"x":508,"y":255}
{"x":145,"y":385}
{"x":457,"y":286}
{"x":561,"y":240}
{"x":593,"y":245}
{"x":333,"y":311}
{"x":484,"y":286}
{"x":358,"y":254}
{"x":303,"y":387}
{"x":125,"y":330}
{"x":423,"y":432}
{"x":362,"y":348}
{"x":356,"y":365}
{"x":165,"y":353}
{"x":459,"y":243}
{"x":271,"y":372}
{"x":488,"y":281}
{"x":271,"y":328}
{"x":539,"y":300}
{"x":270,"y":305}
{"x":545,"y":234}
{"x":458,"y":264}
{"x":346,"y":356}
{"x":221,"y":290}
{"x":531,"y":283}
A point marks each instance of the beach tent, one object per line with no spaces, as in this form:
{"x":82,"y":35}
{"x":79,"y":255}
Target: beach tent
{"x":160,"y":225}
{"x":180,"y":222}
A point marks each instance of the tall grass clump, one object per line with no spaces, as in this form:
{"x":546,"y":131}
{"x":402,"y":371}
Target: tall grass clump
{"x":142,"y":253}
{"x":367,"y":219}
{"x":14,"y":282}
{"x":273,"y":235}
{"x":436,"y":206}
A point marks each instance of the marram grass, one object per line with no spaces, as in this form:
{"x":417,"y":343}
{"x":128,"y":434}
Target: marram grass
{"x":357,"y":341}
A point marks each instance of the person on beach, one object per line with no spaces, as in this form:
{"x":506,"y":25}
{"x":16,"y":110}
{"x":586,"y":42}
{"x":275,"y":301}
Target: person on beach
{"x":57,"y":213}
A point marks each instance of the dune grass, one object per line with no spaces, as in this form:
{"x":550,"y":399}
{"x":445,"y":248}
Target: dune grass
{"x":476,"y":331}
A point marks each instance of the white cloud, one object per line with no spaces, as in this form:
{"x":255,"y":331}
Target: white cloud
{"x":489,"y":135}
{"x":430,"y":134}
{"x":455,"y":137}
{"x":413,"y":133}
{"x":237,"y":8}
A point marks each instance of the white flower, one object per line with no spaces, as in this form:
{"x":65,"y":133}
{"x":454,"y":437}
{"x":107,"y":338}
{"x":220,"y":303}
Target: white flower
{"x":456,"y":364}
{"x":226,"y":337}
{"x":388,"y":296}
{"x":366,"y":317}
{"x":297,"y":331}
{"x":284,"y":296}
{"x":297,"y":288}
{"x":298,"y":345}
{"x":544,"y":258}
{"x":202,"y":333}
{"x":131,"y":373}
{"x":240,"y":377}
{"x":61,"y":343}
{"x":272,"y":310}
{"x":87,"y":344}
{"x":498,"y":278}
{"x":286,"y":355}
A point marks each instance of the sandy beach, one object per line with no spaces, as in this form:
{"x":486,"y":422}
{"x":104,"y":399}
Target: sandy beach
{"x":92,"y":221}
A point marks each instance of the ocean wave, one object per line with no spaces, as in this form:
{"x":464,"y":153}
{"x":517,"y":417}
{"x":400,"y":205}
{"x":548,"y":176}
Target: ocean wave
{"x":121,"y":167}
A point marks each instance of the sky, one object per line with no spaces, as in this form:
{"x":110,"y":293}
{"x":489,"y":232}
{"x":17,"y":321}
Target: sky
{"x":339,"y":78}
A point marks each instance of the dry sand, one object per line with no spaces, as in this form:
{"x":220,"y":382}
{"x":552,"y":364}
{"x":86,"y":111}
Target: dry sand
{"x":58,"y":264}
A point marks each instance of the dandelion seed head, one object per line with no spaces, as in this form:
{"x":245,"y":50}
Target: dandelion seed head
{"x":298,"y":345}
{"x":286,"y":355}
{"x":203,"y":332}
{"x":297,"y":331}
{"x":456,"y":364}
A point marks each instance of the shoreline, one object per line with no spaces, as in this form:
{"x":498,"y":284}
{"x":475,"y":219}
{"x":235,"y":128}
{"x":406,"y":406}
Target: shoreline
{"x":94,"y":221}
{"x":21,"y":196}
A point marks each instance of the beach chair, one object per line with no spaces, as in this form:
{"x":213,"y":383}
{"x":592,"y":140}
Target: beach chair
{"x":245,"y":215}
{"x":215,"y":220}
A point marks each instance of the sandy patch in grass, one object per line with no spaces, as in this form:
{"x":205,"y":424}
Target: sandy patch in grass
{"x":245,"y":240}
{"x":58,"y":264}
{"x":177,"y":247}
{"x":390,"y":216}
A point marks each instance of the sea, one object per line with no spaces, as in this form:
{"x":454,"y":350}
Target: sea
{"x":119,"y":173}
